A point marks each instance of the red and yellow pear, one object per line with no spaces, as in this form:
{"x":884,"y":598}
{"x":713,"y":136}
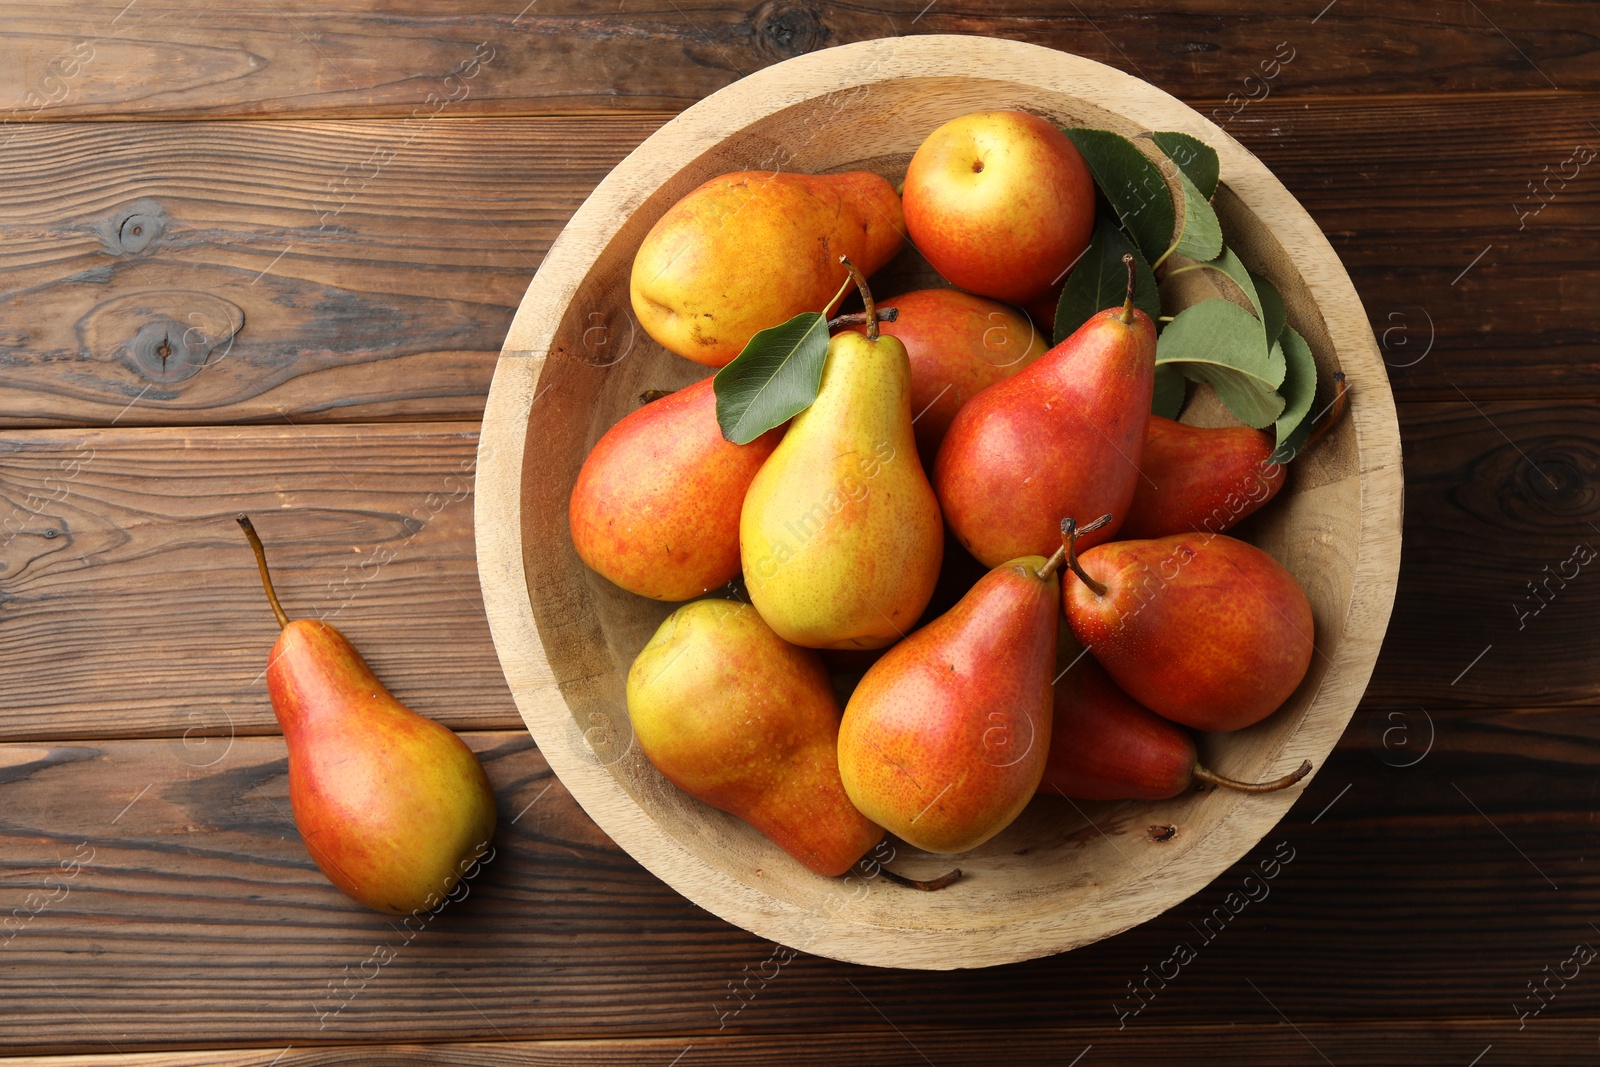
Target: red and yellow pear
{"x":1199,"y":479}
{"x":1001,"y":203}
{"x":752,"y":249}
{"x":945,"y":737}
{"x":737,"y":717}
{"x":656,"y":505}
{"x":1202,"y":629}
{"x":1104,"y":745}
{"x":393,"y":807}
{"x":1062,"y":437}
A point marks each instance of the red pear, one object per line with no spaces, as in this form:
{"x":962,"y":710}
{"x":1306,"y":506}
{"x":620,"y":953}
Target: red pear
{"x":394,"y":808}
{"x":958,"y":344}
{"x":656,"y":505}
{"x":1203,"y":629}
{"x":1200,"y":480}
{"x":1063,"y":437}
{"x":944,"y":739}
{"x":1001,"y":203}
{"x":1104,"y":745}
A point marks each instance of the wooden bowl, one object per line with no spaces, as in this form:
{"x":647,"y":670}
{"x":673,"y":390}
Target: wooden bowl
{"x":575,"y":360}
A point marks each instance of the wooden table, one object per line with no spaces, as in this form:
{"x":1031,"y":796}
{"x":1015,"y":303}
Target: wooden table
{"x":261,"y":257}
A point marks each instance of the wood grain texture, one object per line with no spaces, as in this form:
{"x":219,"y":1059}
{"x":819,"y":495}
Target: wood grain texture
{"x":1499,"y":551}
{"x":132,"y":606}
{"x":164,"y":58}
{"x":375,"y":265}
{"x":196,"y":919}
{"x":1446,"y":1042}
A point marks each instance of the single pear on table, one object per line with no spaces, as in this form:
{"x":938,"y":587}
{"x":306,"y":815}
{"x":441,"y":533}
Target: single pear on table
{"x":393,"y":807}
{"x":1063,"y":437}
{"x":1199,"y":479}
{"x":945,"y":738}
{"x":735,"y":716}
{"x":840,"y":536}
{"x":1104,"y":745}
{"x":749,"y":250}
{"x":958,"y":344}
{"x":656,"y":505}
{"x":1202,"y":629}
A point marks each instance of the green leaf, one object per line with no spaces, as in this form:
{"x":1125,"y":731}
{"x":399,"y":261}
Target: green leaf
{"x":1299,"y":388}
{"x":1219,"y":343}
{"x":1171,"y":390}
{"x":1273,"y":315}
{"x":1202,"y":233}
{"x":1228,"y":263}
{"x":1132,"y":184}
{"x":1194,"y":157}
{"x":1100,"y":281}
{"x":773,"y":379}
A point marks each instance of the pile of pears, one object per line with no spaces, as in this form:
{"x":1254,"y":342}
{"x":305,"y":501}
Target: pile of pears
{"x":950,"y":455}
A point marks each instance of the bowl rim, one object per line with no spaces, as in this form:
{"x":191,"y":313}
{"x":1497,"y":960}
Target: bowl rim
{"x":498,"y":515}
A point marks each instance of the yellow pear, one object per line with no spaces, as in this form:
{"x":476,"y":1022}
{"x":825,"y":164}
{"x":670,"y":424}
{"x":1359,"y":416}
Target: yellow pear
{"x":840,"y":536}
{"x":751,"y":249}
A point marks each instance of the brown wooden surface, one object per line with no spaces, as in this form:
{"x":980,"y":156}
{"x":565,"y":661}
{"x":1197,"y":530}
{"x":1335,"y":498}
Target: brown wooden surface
{"x":131,"y":636}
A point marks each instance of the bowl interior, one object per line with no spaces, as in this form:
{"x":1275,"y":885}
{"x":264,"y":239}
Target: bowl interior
{"x":1065,"y":872}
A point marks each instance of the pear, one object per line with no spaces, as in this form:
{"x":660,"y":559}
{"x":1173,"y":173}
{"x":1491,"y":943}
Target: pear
{"x":749,"y":250}
{"x":733,"y":715}
{"x":1200,"y":479}
{"x":1104,"y":745}
{"x":1203,"y":629}
{"x":944,"y":739}
{"x":1063,"y":437}
{"x":393,"y":807}
{"x":656,"y":506}
{"x":840,"y":535}
{"x":959,"y":344}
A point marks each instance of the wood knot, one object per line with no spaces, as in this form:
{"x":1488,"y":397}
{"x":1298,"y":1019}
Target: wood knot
{"x":167,"y":335}
{"x":134,"y":229}
{"x":788,"y":29}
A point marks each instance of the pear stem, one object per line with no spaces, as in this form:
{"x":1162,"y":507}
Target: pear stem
{"x":1052,"y":564}
{"x":1285,"y":782}
{"x":927,"y":887}
{"x":261,"y":562}
{"x":866,"y":297}
{"x":1070,"y":532}
{"x":859,"y":318}
{"x":1127,"y":304}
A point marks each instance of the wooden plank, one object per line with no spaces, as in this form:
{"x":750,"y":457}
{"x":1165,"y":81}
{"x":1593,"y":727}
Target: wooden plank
{"x":1447,"y":1042}
{"x":1497,"y":575}
{"x":130,"y":598}
{"x":172,"y":906}
{"x":156,"y":58}
{"x":132,"y":609}
{"x":376,"y":267}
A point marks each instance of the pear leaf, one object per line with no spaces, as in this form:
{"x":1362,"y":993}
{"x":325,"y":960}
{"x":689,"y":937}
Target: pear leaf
{"x":1194,"y":157}
{"x":1299,"y":388}
{"x":773,"y":379}
{"x":1228,"y":263}
{"x":1132,"y":185}
{"x":1100,"y":281}
{"x":1270,"y":304}
{"x":1202,"y":233}
{"x":1219,"y":343}
{"x":1171,"y":391}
